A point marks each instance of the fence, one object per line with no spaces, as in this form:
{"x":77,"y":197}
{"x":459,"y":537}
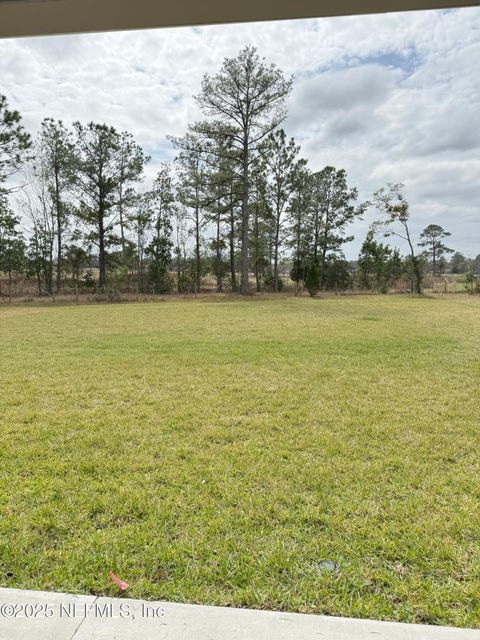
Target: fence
{"x":28,"y":289}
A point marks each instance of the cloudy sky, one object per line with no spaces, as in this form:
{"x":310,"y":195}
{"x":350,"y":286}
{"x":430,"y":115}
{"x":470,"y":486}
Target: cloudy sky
{"x":393,"y":97}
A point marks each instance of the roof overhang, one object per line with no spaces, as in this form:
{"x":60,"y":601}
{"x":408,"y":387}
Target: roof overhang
{"x":43,"y":17}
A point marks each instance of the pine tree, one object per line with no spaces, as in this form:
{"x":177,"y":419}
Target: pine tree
{"x":432,"y":240}
{"x":246,"y":102}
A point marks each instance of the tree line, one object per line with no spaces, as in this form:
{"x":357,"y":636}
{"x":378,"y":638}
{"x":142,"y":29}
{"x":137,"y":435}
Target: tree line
{"x":238,"y":202}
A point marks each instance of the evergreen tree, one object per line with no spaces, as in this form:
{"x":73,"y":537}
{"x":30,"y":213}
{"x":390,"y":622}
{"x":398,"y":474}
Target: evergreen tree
{"x":102,"y":168}
{"x":246,"y":102}
{"x":12,"y":246}
{"x":458,"y":263}
{"x":476,"y":265}
{"x":159,"y":252}
{"x":131,"y":164}
{"x":280,"y":167}
{"x":431,"y":239}
{"x":312,"y":276}
{"x":394,"y":209}
{"x":300,"y":207}
{"x":334,"y":208}
{"x":15,"y":143}
{"x":162,"y":207}
{"x":378,"y":264}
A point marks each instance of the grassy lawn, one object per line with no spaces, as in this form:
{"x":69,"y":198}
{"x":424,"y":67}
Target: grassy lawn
{"x":215,"y":451}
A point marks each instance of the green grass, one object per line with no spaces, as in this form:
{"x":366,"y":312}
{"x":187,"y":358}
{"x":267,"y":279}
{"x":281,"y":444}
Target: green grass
{"x":213,"y":452}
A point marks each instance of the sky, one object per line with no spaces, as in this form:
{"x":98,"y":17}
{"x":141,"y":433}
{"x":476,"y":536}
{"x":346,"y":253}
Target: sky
{"x":390,"y":98}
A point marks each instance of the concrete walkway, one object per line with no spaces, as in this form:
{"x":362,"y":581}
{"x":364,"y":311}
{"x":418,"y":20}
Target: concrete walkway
{"x":34,"y":615}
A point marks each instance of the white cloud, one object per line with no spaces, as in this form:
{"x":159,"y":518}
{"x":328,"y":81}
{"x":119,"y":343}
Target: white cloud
{"x":392,"y":97}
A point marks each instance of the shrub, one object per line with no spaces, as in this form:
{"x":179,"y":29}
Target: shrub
{"x":471,"y":283}
{"x":269,"y":283}
{"x":88,"y":280}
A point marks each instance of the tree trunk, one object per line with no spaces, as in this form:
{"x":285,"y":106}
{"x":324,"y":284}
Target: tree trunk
{"x":299,"y":261}
{"x":198,"y":265}
{"x":50,"y":267}
{"x":244,"y":286}
{"x":139,"y":261}
{"x":102,"y":280}
{"x":323,"y":275}
{"x":59,"y":233}
{"x":233,"y":274}
{"x":122,"y":231}
{"x":417,"y":276}
{"x":39,"y":276}
{"x":275,"y":251}
{"x":257,"y":257}
{"x":219,"y":257}
{"x":178,"y":270}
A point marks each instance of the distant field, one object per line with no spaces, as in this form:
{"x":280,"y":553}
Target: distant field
{"x":215,"y":451}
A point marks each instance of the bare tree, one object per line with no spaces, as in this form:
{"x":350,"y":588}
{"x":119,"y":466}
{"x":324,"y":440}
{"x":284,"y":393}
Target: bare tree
{"x":39,"y":217}
{"x":53,"y":166}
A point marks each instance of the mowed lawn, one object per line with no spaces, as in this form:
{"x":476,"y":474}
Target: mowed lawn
{"x":215,"y":451}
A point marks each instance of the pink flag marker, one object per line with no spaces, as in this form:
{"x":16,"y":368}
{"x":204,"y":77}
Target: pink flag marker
{"x":120,"y":583}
